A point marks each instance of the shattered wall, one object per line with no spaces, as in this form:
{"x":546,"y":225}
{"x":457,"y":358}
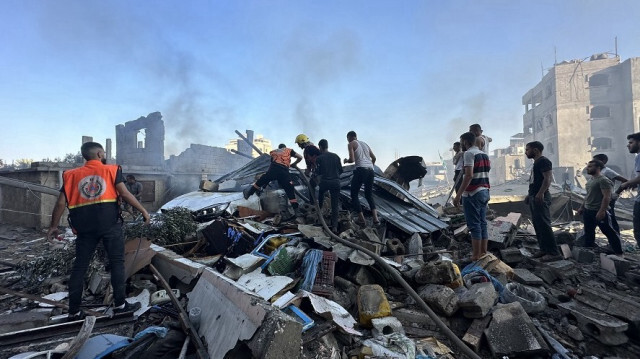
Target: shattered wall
{"x":141,"y":142}
{"x":29,"y":208}
{"x":200,"y":161}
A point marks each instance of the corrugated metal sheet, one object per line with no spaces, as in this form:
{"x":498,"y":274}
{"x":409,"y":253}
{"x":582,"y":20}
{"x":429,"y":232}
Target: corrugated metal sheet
{"x":396,"y":205}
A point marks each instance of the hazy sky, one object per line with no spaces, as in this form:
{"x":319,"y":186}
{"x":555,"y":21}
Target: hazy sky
{"x":407,"y":76}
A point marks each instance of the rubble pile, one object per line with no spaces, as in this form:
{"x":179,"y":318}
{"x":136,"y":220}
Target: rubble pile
{"x":250,"y":283}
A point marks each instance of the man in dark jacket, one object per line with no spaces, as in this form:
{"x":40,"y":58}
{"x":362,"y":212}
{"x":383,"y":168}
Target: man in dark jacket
{"x":328,"y":171}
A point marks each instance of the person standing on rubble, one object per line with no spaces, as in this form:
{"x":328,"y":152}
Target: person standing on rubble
{"x":634,"y":147}
{"x":457,"y":163}
{"x":91,"y":194}
{"x":594,"y":208}
{"x":613,"y":176}
{"x":539,"y":201}
{"x":361,"y":154}
{"x":135,"y":188}
{"x":482,"y":141}
{"x":278,"y":171}
{"x":474,"y":193}
{"x":310,"y":153}
{"x":328,"y":171}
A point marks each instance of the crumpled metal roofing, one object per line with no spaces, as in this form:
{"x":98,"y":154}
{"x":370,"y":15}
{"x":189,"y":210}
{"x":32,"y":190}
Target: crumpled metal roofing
{"x":396,"y":205}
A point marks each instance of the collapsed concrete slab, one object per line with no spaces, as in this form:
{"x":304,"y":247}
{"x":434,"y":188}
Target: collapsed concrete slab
{"x":239,"y":315}
{"x":606,"y":329}
{"x":512,"y":333}
{"x":616,"y":305}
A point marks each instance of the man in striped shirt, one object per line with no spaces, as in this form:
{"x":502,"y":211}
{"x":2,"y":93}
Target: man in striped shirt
{"x":474,"y":193}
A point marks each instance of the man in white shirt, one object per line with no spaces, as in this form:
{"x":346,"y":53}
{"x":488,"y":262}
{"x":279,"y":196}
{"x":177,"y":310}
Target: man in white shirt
{"x":613,"y":176}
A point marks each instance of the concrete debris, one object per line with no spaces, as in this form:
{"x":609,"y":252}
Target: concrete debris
{"x":524,"y":276}
{"x":512,"y":333}
{"x":440,"y":298}
{"x":606,"y":329}
{"x":478,"y":300}
{"x":243,"y":267}
{"x":439,"y":272}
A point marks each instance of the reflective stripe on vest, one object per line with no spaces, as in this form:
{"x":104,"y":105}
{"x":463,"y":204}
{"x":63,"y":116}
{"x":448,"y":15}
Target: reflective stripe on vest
{"x":281,"y":156}
{"x":91,"y":184}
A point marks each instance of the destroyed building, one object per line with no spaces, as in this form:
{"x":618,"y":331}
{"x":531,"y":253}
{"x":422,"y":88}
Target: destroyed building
{"x":584,"y":107}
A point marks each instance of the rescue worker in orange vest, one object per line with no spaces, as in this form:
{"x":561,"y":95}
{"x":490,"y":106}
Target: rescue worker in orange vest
{"x":91,"y":194}
{"x":279,"y":171}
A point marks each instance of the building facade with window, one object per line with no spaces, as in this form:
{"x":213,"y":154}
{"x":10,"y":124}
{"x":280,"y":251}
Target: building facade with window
{"x":585,"y":107}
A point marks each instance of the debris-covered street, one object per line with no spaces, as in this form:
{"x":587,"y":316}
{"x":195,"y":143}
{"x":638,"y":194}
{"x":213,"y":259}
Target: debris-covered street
{"x":243,"y":282}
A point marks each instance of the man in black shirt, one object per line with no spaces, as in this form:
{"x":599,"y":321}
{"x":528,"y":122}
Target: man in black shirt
{"x":328,"y":170}
{"x":539,"y":200}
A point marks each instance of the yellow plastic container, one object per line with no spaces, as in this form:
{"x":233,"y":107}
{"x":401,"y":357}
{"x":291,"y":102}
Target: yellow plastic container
{"x":372,"y":303}
{"x":458,"y":282}
{"x":275,"y":242}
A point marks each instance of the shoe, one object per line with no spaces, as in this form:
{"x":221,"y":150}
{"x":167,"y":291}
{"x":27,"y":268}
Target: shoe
{"x":247,"y":192}
{"x":550,"y":257}
{"x":128,"y":307}
{"x":376,"y":223}
{"x":79,"y":315}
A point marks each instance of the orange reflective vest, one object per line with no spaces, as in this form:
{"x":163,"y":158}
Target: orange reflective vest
{"x":90,"y":184}
{"x":281,"y":156}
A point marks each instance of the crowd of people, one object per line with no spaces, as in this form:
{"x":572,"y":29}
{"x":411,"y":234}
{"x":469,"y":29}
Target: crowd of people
{"x":92,"y":194}
{"x":472,"y":187}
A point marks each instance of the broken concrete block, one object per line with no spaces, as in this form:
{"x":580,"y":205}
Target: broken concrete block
{"x":395,"y":246}
{"x":524,"y":276}
{"x":415,"y":318}
{"x":372,"y":303}
{"x":548,"y":275}
{"x":501,"y":233}
{"x":563,"y":268}
{"x":279,"y":336}
{"x":414,"y":244}
{"x":622,"y":265}
{"x":440,"y":298}
{"x":440,"y":272}
{"x":360,"y":275}
{"x":607,"y":264}
{"x":574,"y":333}
{"x":566,"y":251}
{"x":605,"y":328}
{"x":375,"y":247}
{"x":478,"y":300}
{"x":386,"y":325}
{"x":411,"y":267}
{"x":99,"y":282}
{"x":473,"y":336}
{"x":513,"y":334}
{"x":622,"y":307}
{"x":511,"y":255}
{"x":583,"y":255}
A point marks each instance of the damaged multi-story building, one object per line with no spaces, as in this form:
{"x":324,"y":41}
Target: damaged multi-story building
{"x":584,"y":107}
